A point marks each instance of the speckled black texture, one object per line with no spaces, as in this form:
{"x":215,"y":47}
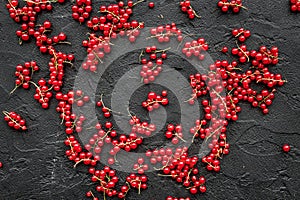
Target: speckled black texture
{"x":35,"y":166}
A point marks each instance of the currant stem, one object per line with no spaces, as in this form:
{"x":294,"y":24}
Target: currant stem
{"x":113,"y":14}
{"x":269,"y":79}
{"x":221,"y":99}
{"x":140,"y":1}
{"x":213,"y":133}
{"x":195,"y":12}
{"x":176,"y":134}
{"x":17,"y":86}
{"x":196,"y":131}
{"x":97,"y":56}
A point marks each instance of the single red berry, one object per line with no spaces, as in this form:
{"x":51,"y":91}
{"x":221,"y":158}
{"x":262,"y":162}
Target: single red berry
{"x":151,"y":4}
{"x":286,"y":148}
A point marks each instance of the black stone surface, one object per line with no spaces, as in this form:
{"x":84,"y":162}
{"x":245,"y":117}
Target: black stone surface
{"x":35,"y":166}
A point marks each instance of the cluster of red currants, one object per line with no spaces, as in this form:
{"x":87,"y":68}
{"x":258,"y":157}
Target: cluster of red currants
{"x":234,"y":5}
{"x":97,"y":47}
{"x":212,"y":160}
{"x":195,"y":48}
{"x":28,"y":12}
{"x":183,"y":170}
{"x":187,"y":8}
{"x":163,"y":156}
{"x":152,"y":64}
{"x":43,"y":93}
{"x":140,"y":166}
{"x":143,"y":128}
{"x":199,"y":88}
{"x":107,"y":181}
{"x":15,"y":121}
{"x":105,"y":110}
{"x":174,"y":133}
{"x":164,"y":33}
{"x":155,"y":100}
{"x":81,"y":10}
{"x":295,"y":5}
{"x":24,"y":74}
{"x":241,"y":33}
{"x":128,"y":143}
{"x":27,"y":16}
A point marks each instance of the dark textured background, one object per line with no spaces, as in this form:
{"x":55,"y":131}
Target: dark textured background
{"x":35,"y":166}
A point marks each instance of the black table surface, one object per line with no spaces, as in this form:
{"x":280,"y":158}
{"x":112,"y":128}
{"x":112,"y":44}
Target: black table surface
{"x":35,"y":165}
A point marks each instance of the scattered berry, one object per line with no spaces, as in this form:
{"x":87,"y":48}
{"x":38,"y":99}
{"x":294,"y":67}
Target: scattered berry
{"x":286,"y":148}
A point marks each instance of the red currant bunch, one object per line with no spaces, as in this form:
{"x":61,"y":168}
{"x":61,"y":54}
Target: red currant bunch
{"x":56,"y":68}
{"x":218,"y":149}
{"x":24,"y":74}
{"x":241,"y":33}
{"x":152,"y":65}
{"x":75,"y":148}
{"x":15,"y":121}
{"x":103,"y":136}
{"x":140,"y":166}
{"x":41,"y":5}
{"x":128,"y":143}
{"x":195,"y":48}
{"x":234,"y":5}
{"x":198,"y":85}
{"x":107,"y":180}
{"x":24,"y":14}
{"x":137,"y":182}
{"x":242,"y":52}
{"x":182,"y":169}
{"x":174,"y":133}
{"x":295,"y":5}
{"x":199,"y":129}
{"x":143,"y":128}
{"x":85,"y":158}
{"x":164,"y":33}
{"x":187,"y":8}
{"x":64,"y":108}
{"x":116,"y":20}
{"x":105,"y":110}
{"x":155,"y":100}
{"x":97,"y":47}
{"x":43,"y":93}
{"x":264,"y":56}
{"x":81,"y":10}
{"x":161,"y":156}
